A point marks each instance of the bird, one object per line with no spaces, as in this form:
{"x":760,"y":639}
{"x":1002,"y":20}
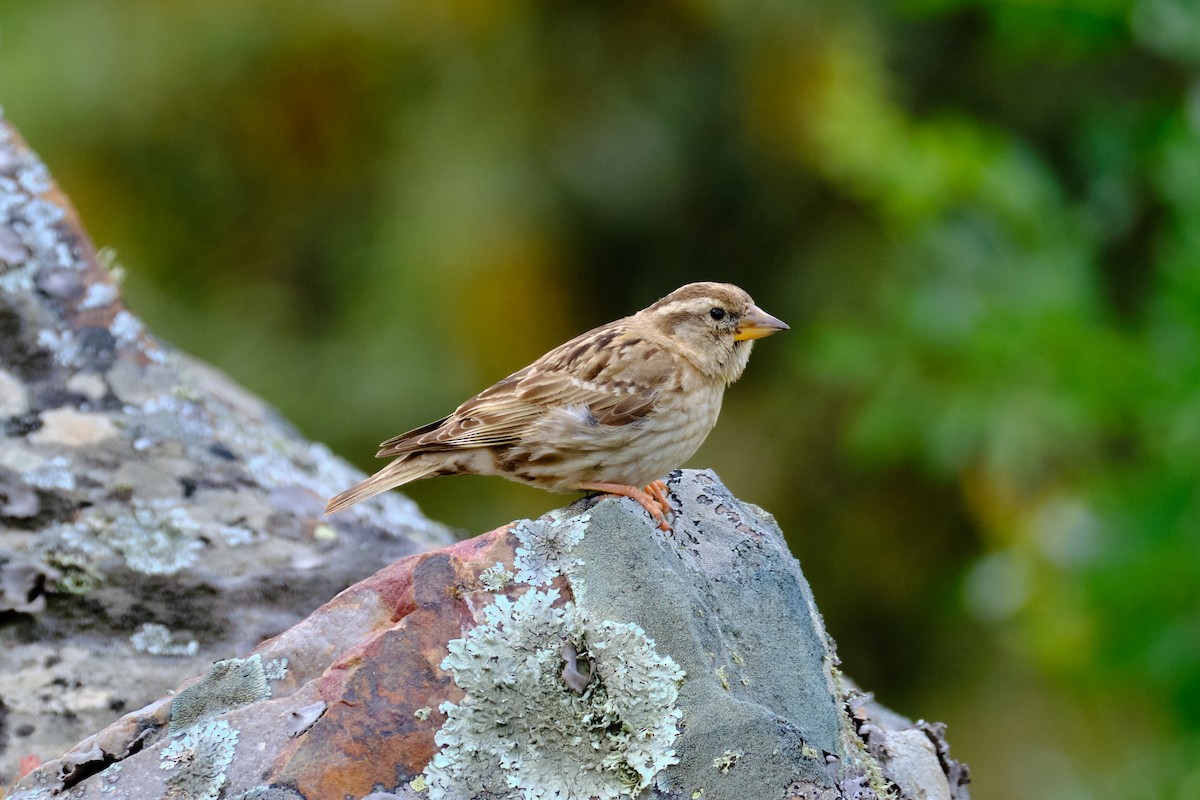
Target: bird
{"x":611,"y":411}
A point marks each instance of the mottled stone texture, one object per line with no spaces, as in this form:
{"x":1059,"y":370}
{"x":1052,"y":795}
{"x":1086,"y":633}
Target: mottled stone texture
{"x":154,"y":517}
{"x":448,"y":657}
{"x":160,"y":523}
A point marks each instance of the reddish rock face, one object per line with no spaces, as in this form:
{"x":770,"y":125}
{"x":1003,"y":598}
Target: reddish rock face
{"x":373,"y":732}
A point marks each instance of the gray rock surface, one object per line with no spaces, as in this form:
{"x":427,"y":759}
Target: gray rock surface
{"x":722,"y":595}
{"x":154,"y":516}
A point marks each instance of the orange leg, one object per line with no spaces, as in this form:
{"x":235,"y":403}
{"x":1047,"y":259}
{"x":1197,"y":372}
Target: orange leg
{"x":658,"y":490}
{"x":653,"y":498}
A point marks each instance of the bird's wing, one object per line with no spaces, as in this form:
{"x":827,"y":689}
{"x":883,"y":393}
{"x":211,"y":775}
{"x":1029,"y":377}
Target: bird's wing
{"x":594,"y":371}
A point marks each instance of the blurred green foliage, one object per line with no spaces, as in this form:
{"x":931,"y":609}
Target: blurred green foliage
{"x":981,"y":217}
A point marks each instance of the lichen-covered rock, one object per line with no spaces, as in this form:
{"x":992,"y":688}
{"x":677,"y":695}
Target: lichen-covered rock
{"x":154,"y":517}
{"x":582,"y":655}
{"x":615,"y":724}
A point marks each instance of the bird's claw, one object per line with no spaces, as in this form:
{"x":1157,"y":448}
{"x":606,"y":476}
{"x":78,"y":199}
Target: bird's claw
{"x":658,"y":493}
{"x":653,"y":498}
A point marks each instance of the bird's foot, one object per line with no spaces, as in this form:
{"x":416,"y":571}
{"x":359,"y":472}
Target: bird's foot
{"x":653,"y":498}
{"x":658,"y":491}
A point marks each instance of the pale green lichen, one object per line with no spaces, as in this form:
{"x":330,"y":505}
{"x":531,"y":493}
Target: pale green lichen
{"x":125,"y":327}
{"x":109,"y":778}
{"x":239,"y":535}
{"x":76,"y":574}
{"x":276,"y":669}
{"x":157,"y":640}
{"x":726,"y":761}
{"x":546,"y":545}
{"x":228,"y":685}
{"x":495,"y":578}
{"x":154,"y":538}
{"x":200,"y":758}
{"x":51,"y":474}
{"x":99,"y":295}
{"x":521,"y":732}
{"x":423,"y":713}
{"x":325,"y":533}
{"x":868,"y":772}
{"x":255,"y":793}
{"x":883,"y":788}
{"x":859,"y":766}
{"x":269,"y":793}
{"x":63,"y":345}
{"x":861,"y":771}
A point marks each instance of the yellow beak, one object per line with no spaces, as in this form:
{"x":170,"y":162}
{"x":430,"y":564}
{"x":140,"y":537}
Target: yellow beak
{"x":756,"y":324}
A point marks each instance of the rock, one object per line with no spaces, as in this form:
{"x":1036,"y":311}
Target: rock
{"x":71,"y":428}
{"x":154,"y":517}
{"x":92,"y":387}
{"x":584,"y":654}
{"x":13,"y":399}
{"x":23,"y":585}
{"x":915,"y":766}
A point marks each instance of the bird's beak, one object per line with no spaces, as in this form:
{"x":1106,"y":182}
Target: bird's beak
{"x":756,"y":324}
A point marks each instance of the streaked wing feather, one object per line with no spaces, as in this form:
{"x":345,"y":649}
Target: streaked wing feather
{"x":579,"y":373}
{"x":400,"y":443}
{"x":631,"y":408}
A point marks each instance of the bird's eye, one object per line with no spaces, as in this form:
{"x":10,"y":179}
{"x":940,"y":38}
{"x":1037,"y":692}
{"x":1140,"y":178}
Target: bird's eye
{"x":717,"y":313}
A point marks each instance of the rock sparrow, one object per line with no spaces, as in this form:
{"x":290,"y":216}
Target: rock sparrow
{"x":611,"y":410}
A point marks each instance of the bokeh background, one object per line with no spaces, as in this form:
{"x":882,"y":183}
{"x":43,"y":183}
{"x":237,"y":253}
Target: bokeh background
{"x":982,"y":219}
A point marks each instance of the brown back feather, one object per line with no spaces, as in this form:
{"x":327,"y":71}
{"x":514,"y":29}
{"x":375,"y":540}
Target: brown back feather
{"x":500,"y":414}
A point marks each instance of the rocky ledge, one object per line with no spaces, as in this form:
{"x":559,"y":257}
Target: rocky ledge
{"x":581,"y":655}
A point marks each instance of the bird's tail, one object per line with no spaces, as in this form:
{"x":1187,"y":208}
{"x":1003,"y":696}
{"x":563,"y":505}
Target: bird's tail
{"x":397,"y":473}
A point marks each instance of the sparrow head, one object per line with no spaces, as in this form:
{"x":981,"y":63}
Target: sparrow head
{"x":713,"y":325}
